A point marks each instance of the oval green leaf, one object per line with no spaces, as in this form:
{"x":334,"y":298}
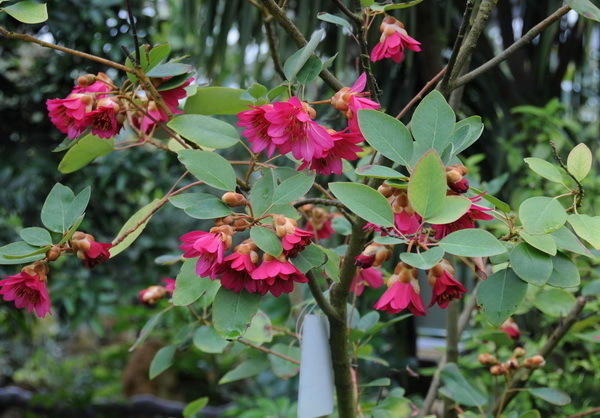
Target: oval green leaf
{"x":192,"y":409}
{"x":545,"y":243}
{"x":293,"y":188}
{"x":453,"y":208}
{"x":162,"y":360}
{"x":530,"y":264}
{"x":432,"y":124}
{"x":233,"y":312}
{"x":365,"y":202}
{"x":425,"y":259}
{"x":466,"y":132}
{"x":10,"y":253}
{"x":587,"y":228}
{"x":84,"y":152}
{"x":136,"y":218}
{"x":564,"y":272}
{"x":554,"y":302}
{"x":207,"y":340}
{"x":551,"y":395}
{"x":217,"y":101}
{"x":189,"y":287}
{"x":38,"y":237}
{"x":209,"y":167}
{"x":380,"y":172}
{"x":544,"y":168}
{"x":266,"y":240}
{"x":472,"y":243}
{"x":458,"y":388}
{"x":28,"y":12}
{"x":205,"y":131}
{"x":169,"y":69}
{"x":579,"y":161}
{"x":566,"y":240}
{"x":542,"y":215}
{"x":386,"y":134}
{"x":294,"y":64}
{"x":585,"y":8}
{"x":500,"y":296}
{"x":427,"y":185}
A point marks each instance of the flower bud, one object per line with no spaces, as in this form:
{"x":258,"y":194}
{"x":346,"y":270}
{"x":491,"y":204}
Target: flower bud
{"x":53,"y":253}
{"x":534,"y":362}
{"x":386,"y":190}
{"x":109,"y":102}
{"x":340,"y":99}
{"x":519,"y":352}
{"x":152,"y":294}
{"x":498,"y":370}
{"x":233,"y":199}
{"x":487,"y":359}
{"x":86,"y":80}
{"x":308,"y":109}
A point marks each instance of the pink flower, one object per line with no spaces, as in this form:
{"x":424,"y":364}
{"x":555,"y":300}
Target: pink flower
{"x":256,"y":128}
{"x":394,"y":39}
{"x":292,"y":130}
{"x":278,"y":275}
{"x":172,"y":97}
{"x":28,"y":289}
{"x":68,"y":115}
{"x":237,"y":267}
{"x":366,"y":277}
{"x":100,"y":83}
{"x":351,"y":99}
{"x":344,"y":148}
{"x":374,"y":254}
{"x":323,"y":230}
{"x":296,"y":242}
{"x":511,"y":328}
{"x":87,"y":249}
{"x":169,"y":285}
{"x":103,"y":120}
{"x":209,"y":247}
{"x":401,"y":296}
{"x":146,"y":123}
{"x":444,"y":287}
{"x":466,"y":221}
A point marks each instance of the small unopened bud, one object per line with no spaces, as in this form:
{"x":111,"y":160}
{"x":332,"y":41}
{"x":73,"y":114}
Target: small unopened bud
{"x":497,"y":370}
{"x":511,"y":364}
{"x":453,"y":176}
{"x":109,"y":102}
{"x":534,"y":362}
{"x":53,"y":253}
{"x":152,"y":294}
{"x":386,"y":190}
{"x":86,"y":80}
{"x":308,"y":109}
{"x":233,"y":199}
{"x":487,"y":359}
{"x":519,"y":352}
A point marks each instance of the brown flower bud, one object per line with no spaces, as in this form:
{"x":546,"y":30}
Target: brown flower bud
{"x":498,"y":370}
{"x":53,"y":253}
{"x":386,"y":190}
{"x":534,"y":362}
{"x":519,"y":352}
{"x":487,"y":359}
{"x":453,"y":176}
{"x":152,"y":294}
{"x":86,"y":80}
{"x":233,"y":199}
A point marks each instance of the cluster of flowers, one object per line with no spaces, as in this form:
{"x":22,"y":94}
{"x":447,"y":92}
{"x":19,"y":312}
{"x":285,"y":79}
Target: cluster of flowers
{"x":289,"y":127}
{"x":29,"y":288}
{"x":514,"y":363}
{"x":95,"y":103}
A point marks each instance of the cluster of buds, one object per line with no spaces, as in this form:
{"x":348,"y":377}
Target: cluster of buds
{"x":514,"y":363}
{"x":153,"y":294}
{"x":87,"y":249}
{"x":455,"y":178}
{"x":374,"y":255}
{"x":318,"y":221}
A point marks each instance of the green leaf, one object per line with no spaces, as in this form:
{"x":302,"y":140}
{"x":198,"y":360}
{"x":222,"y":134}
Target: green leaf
{"x":465,"y":133}
{"x":311,"y":257}
{"x":530,"y":264}
{"x":209,"y":167}
{"x":427,"y":185}
{"x":84,"y":152}
{"x":257,"y":90}
{"x":493,"y":200}
{"x":277,"y":91}
{"x":28,"y":12}
{"x":282,"y":368}
{"x":386,"y":134}
{"x":432,"y":124}
{"x":592,"y":288}
{"x":566,"y":240}
{"x":386,"y":7}
{"x":261,"y":195}
{"x":9,"y":252}
{"x":380,"y":172}
{"x":554,"y":302}
{"x":579,"y":161}
{"x":266,"y":240}
{"x":587,"y":227}
{"x":585,"y":8}
{"x":216,"y":101}
{"x":246,"y":369}
{"x":201,"y":205}
{"x":383,"y":381}
{"x":205,"y":131}
{"x":38,"y":237}
{"x":310,"y":70}
{"x":425,"y":259}
{"x":364,"y":202}
{"x":454,"y":207}
{"x":147,"y":329}
{"x":169,"y":69}
{"x":551,"y":395}
{"x":293,"y":188}
{"x":472,"y":243}
{"x":336,"y":20}
{"x":189,"y":287}
{"x":260,"y":329}
{"x":564,"y":272}
{"x":294,"y":64}
{"x":331,"y":268}
{"x":500,"y":295}
{"x":192,"y":408}
{"x":341,"y":225}
{"x":543,"y":243}
{"x":162,"y":360}
{"x":542,"y":215}
{"x":132,"y":223}
{"x":157,"y":54}
{"x":232,"y":312}
{"x":207,"y":340}
{"x":544,"y":168}
{"x":55,"y":212}
{"x":457,"y":388}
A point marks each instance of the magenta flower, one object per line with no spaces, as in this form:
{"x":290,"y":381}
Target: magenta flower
{"x":321,"y":231}
{"x":172,"y":97}
{"x":401,"y":296}
{"x":344,"y":148}
{"x":103,"y":120}
{"x":154,"y":116}
{"x":278,"y":275}
{"x":511,"y":328}
{"x":209,"y":247}
{"x":466,"y":221}
{"x":296,"y":242}
{"x":68,"y":115}
{"x":394,"y":39}
{"x":169,"y":285}
{"x":292,"y":130}
{"x":358,"y":102}
{"x":96,"y":254}
{"x":366,"y":277}
{"x":237,"y":268}
{"x":257,"y":128}
{"x":28,"y":290}
{"x":445,"y":289}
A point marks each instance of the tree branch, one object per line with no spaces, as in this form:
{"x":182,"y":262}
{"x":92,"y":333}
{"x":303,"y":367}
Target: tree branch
{"x":528,"y":37}
{"x":268,"y":351}
{"x":319,"y":201}
{"x":320,"y":298}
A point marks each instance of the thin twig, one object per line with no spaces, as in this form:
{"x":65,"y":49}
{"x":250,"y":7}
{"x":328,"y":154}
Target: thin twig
{"x":322,"y":302}
{"x":319,"y":201}
{"x":580,"y":191}
{"x":268,"y":351}
{"x":136,"y":41}
{"x":355,"y":18}
{"x":431,"y":83}
{"x":528,"y":37}
{"x":272,"y":39}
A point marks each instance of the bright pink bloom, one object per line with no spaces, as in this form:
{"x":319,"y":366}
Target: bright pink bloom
{"x":68,"y":115}
{"x":98,"y":86}
{"x":28,"y":291}
{"x":461,"y":186}
{"x":209,"y":247}
{"x":294,"y":243}
{"x":98,"y":253}
{"x":511,"y":328}
{"x":445,"y":289}
{"x":325,"y":231}
{"x":236,"y":274}
{"x":103,"y":120}
{"x":394,"y":39}
{"x":366,"y":277}
{"x":466,"y":221}
{"x":292,"y":130}
{"x":358,"y":102}
{"x":344,"y":147}
{"x":401,"y":296}
{"x":278,"y":276}
{"x":257,"y":128}
{"x":146,"y":123}
{"x":407,"y":224}
{"x":172,"y":97}
{"x":169,"y":285}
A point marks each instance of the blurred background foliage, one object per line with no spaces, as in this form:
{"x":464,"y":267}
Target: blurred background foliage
{"x":547,"y":91}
